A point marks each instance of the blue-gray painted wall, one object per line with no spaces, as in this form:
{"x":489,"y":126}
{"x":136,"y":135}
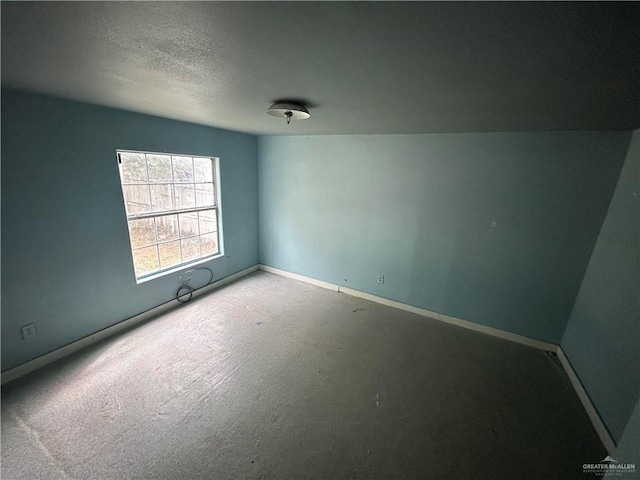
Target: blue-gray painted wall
{"x":602,"y":337}
{"x":66,"y":260}
{"x":496,"y":228}
{"x":627,"y":450}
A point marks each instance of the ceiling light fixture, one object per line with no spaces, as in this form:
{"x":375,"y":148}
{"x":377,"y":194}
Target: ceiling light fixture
{"x":288,"y":111}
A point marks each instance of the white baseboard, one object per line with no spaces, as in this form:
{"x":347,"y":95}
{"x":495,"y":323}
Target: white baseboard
{"x":495,"y":332}
{"x":301,"y":278}
{"x":598,"y":424}
{"x":67,"y":350}
{"x":73,"y":347}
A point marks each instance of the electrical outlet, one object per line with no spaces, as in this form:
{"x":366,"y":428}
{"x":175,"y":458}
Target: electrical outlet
{"x":28,"y":331}
{"x":380,"y":279}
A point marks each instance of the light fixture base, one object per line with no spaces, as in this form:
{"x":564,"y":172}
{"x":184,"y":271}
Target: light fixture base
{"x":288,"y":111}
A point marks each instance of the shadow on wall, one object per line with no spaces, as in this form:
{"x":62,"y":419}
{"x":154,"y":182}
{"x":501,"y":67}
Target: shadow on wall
{"x":602,"y":337}
{"x":494,"y":228}
{"x":522,"y":232}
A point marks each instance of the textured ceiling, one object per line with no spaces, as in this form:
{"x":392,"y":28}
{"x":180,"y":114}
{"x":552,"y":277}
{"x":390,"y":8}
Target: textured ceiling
{"x":360,"y":67}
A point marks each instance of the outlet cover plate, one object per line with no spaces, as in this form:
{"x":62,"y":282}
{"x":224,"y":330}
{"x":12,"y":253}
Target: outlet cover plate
{"x":28,"y":331}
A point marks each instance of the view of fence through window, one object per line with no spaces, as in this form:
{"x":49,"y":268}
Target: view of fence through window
{"x":171,"y":209}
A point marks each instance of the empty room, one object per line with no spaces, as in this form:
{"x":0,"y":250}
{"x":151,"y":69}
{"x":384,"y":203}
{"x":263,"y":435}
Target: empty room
{"x":320,"y":240}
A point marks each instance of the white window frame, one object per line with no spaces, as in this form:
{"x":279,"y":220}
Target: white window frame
{"x":175,"y":211}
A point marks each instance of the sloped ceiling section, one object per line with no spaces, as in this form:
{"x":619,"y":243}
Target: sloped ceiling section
{"x":360,"y":67}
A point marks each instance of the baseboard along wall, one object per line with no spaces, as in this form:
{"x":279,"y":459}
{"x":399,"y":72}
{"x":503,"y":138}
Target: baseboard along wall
{"x":67,"y":350}
{"x":592,"y":412}
{"x":73,"y":347}
{"x":600,"y":427}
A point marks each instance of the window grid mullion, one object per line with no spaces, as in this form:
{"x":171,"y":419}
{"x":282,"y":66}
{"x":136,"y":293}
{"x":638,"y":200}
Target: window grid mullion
{"x":164,"y":213}
{"x":164,"y":183}
{"x":198,"y":224}
{"x":155,"y":231}
{"x":165,"y":242}
{"x":146,"y":166}
{"x":173,"y":184}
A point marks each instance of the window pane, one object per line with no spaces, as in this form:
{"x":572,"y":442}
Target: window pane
{"x":203,"y":169}
{"x":185,"y":196}
{"x":182,"y":169}
{"x":207,"y":221}
{"x":142,"y":232}
{"x":134,"y":167}
{"x":145,"y":260}
{"x":204,"y":194}
{"x":167,"y":228}
{"x":209,"y":244}
{"x":188,"y":224}
{"x":159,"y":168}
{"x":161,"y":197}
{"x":169,"y":254}
{"x":190,"y":249}
{"x":136,"y":198}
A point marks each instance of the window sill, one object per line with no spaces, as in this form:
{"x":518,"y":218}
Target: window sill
{"x":178,"y":268}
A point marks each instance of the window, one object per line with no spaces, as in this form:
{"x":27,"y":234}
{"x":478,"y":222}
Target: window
{"x":172,"y":209}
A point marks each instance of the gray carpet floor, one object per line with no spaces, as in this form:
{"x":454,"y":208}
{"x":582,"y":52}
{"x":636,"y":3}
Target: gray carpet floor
{"x":270,"y":378}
